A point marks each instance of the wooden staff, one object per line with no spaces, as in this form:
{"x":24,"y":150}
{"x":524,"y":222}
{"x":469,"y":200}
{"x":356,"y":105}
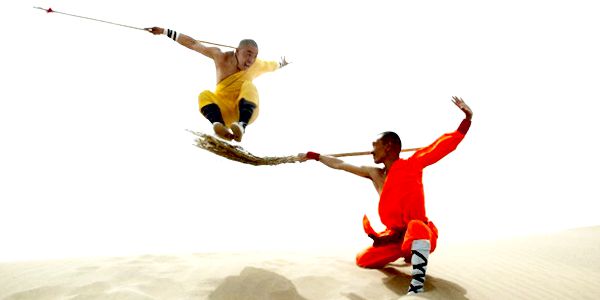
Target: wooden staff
{"x":366,"y":152}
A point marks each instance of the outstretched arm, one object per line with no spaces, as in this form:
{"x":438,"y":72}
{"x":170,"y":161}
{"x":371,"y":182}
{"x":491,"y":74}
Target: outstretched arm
{"x":187,"y":41}
{"x":270,"y":65}
{"x":447,"y":142}
{"x":335,"y":163}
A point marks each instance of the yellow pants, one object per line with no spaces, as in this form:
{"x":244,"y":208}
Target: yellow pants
{"x":227,"y":97}
{"x":232,"y":89}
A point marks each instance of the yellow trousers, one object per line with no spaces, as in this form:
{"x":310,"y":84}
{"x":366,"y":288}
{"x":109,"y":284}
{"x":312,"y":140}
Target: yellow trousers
{"x":232,"y":89}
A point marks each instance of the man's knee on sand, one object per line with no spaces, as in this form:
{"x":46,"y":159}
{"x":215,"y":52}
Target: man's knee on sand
{"x":378,"y":257}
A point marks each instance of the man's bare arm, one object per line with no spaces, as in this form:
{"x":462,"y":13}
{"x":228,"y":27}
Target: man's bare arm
{"x":336,"y":163}
{"x":191,"y":43}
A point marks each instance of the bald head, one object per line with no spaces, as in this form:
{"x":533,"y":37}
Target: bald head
{"x":248,"y":42}
{"x":246,"y":54}
{"x":392,"y":139}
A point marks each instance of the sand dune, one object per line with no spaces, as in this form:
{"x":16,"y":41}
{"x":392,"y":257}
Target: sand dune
{"x":563,"y":265}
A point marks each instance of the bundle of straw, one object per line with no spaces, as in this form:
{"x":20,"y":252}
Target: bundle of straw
{"x":237,"y":153}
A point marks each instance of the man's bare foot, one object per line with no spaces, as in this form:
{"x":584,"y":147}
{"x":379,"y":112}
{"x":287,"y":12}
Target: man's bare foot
{"x":238,"y":131}
{"x":222,"y":131}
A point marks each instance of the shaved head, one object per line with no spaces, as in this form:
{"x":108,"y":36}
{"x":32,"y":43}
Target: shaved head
{"x":391,"y":138}
{"x":248,"y":42}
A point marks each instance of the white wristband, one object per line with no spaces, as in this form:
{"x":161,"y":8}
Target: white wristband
{"x":172,"y":34}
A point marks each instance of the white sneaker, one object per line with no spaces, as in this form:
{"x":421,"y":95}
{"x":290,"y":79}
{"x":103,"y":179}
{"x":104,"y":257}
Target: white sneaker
{"x":238,"y":131}
{"x":222,"y":131}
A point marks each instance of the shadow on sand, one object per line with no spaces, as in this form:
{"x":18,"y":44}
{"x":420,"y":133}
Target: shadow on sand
{"x":435,"y":288}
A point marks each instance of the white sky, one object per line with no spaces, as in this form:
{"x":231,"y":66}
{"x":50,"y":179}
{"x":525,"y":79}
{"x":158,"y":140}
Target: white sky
{"x":95,"y":159}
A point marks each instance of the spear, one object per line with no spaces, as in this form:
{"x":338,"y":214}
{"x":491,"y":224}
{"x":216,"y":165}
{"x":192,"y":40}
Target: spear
{"x":50,"y":10}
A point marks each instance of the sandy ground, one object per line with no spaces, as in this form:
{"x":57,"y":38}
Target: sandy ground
{"x":564,"y":265}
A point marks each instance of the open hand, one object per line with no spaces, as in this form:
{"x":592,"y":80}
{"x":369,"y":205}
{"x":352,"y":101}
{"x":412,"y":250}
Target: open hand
{"x":283,"y":62}
{"x":463,"y":106}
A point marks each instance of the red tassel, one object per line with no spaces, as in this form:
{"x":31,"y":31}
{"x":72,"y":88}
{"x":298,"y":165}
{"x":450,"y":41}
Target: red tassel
{"x":49,"y":10}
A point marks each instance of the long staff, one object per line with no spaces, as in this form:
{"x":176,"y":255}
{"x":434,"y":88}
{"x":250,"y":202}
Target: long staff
{"x":50,"y":10}
{"x":366,"y":152}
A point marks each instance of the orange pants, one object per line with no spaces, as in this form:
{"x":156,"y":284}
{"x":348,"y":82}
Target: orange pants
{"x":376,"y":257}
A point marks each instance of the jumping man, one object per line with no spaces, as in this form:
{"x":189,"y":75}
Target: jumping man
{"x":234,"y":104}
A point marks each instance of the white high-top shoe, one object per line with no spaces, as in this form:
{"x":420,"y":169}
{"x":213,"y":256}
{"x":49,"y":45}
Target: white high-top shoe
{"x":420,"y":254}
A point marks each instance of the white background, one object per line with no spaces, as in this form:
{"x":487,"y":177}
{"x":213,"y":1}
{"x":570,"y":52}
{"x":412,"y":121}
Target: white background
{"x":95,"y":159}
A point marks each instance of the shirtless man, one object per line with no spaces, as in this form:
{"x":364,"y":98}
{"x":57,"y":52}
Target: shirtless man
{"x":234,"y":104}
{"x":409,"y":233}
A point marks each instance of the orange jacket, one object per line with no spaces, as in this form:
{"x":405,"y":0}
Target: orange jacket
{"x":402,"y":197}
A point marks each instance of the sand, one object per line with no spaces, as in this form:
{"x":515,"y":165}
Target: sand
{"x":563,"y":265}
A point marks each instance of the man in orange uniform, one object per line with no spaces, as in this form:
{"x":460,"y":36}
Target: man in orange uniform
{"x":409,"y":233}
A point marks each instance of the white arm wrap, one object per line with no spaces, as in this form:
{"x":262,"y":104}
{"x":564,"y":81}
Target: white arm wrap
{"x":171,"y":34}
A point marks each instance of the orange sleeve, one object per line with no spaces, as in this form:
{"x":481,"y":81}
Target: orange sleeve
{"x":442,"y":146}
